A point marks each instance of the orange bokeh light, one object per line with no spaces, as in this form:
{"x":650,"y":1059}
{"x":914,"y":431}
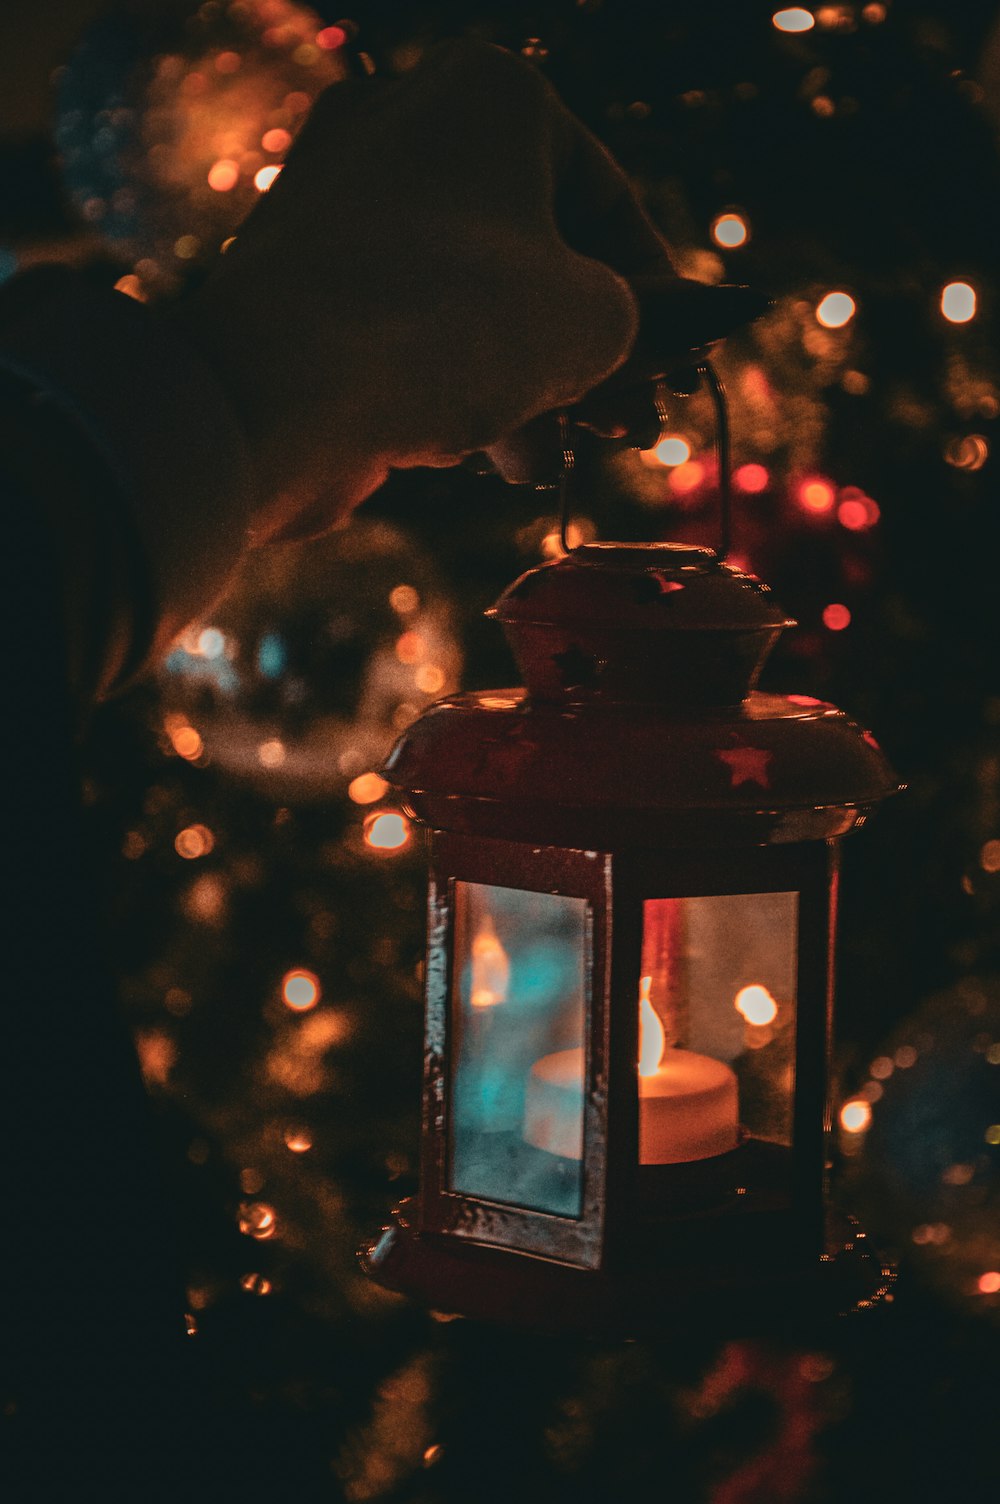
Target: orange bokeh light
{"x":989,"y":1283}
{"x":751,"y":479}
{"x":223,"y":175}
{"x":387,"y":831}
{"x":756,"y":1005}
{"x":836,"y":617}
{"x":276,"y":140}
{"x":264,"y":177}
{"x":300,"y":990}
{"x":730,"y":231}
{"x":855,"y":1116}
{"x":958,"y":302}
{"x":366,"y":788}
{"x":817,"y":494}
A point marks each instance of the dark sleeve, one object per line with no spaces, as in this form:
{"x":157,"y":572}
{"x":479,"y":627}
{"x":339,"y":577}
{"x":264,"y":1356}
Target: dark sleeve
{"x":135,"y":460}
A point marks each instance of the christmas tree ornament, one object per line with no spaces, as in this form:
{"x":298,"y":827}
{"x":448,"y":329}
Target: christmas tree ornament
{"x":318,"y":656}
{"x":629,"y":974}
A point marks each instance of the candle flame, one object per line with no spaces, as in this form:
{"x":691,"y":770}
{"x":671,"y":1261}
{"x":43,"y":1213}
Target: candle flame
{"x":490,"y":968}
{"x":652,"y":1037}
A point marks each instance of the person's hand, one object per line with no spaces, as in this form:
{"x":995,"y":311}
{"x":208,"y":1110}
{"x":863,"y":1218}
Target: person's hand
{"x":444,"y":257}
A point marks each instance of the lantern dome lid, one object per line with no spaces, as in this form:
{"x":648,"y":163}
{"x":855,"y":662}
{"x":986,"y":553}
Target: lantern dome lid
{"x":634,"y":623}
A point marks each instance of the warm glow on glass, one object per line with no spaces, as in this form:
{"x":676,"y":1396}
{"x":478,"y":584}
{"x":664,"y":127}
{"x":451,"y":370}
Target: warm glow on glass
{"x":131,"y":286}
{"x":300,"y":990}
{"x":276,"y":140}
{"x":672,"y":450}
{"x":817,"y":494}
{"x":223,"y":175}
{"x":652,"y":1037}
{"x":265,"y":176}
{"x":836,"y":310}
{"x":730,"y":230}
{"x":836,"y":617}
{"x":387,"y":831}
{"x":793,"y":19}
{"x":958,"y":302}
{"x":989,"y":1283}
{"x":366,"y":788}
{"x":751,"y":479}
{"x":552,"y":547}
{"x":490,"y":968}
{"x":855,"y":1116}
{"x":756,"y":1004}
{"x":298,"y":1139}
{"x":194,"y":841}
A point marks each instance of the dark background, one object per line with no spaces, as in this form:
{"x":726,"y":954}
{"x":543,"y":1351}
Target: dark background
{"x":863,"y":155}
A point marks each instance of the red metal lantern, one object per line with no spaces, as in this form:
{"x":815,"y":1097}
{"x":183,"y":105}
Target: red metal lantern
{"x":629,"y":973}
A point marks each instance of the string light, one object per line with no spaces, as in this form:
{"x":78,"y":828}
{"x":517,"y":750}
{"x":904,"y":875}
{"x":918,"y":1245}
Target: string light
{"x":835,"y":310}
{"x":751,"y":478}
{"x":264,"y":177}
{"x":794,"y":19}
{"x":730,"y":230}
{"x":855,"y":1116}
{"x":301,"y":990}
{"x":224,"y":175}
{"x":387,"y":831}
{"x":836,"y":617}
{"x":958,"y":302}
{"x":816,"y":494}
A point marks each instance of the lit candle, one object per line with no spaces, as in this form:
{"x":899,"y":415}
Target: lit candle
{"x":688,"y":1103}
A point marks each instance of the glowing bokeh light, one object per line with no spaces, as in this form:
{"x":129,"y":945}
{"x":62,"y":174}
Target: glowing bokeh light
{"x":836,"y":617}
{"x":992,"y":1135}
{"x":756,"y":1005}
{"x":905,"y":1056}
{"x":751,"y":479}
{"x":687,"y":477}
{"x":730,"y":231}
{"x":989,"y":856}
{"x":958,"y":302}
{"x":673,"y":449}
{"x":817,"y":494}
{"x":271,"y":754}
{"x":795,"y":18}
{"x":255,"y":1284}
{"x":258,"y":1220}
{"x":298,"y":1139}
{"x":881,"y":1068}
{"x":857,"y":512}
{"x":223,"y":175}
{"x":264,"y":177}
{"x":855,"y":1116}
{"x":430,"y":679}
{"x":300,"y":990}
{"x":367,"y":788}
{"x":969,"y":452}
{"x":404,"y":600}
{"x":276,"y":139}
{"x":835,"y":310}
{"x":194,"y":841}
{"x":331,"y":37}
{"x":211,"y":642}
{"x":989,"y":1283}
{"x":387,"y":831}
{"x":187,"y":742}
{"x":410,"y":648}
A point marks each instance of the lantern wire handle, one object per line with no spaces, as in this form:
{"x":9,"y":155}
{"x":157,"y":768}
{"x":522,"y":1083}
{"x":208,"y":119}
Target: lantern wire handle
{"x":724,"y":455}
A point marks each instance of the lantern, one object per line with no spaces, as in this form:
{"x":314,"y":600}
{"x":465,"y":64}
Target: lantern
{"x":629,"y":969}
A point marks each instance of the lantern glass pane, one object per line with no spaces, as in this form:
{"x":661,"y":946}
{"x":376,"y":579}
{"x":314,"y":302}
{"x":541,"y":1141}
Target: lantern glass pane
{"x":717,"y":999}
{"x":519,"y":1026}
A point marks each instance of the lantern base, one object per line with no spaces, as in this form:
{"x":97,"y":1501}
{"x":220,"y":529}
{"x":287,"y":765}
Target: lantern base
{"x":517,"y":1289}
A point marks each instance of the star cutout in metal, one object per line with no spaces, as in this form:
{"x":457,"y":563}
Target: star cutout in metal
{"x":747,"y":765}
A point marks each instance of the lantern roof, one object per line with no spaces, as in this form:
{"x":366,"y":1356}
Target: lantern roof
{"x":655,"y":623}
